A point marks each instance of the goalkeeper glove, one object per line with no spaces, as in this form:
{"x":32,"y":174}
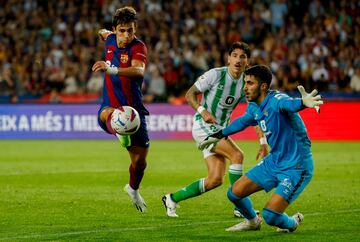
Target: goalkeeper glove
{"x":211,"y":139}
{"x":310,"y":100}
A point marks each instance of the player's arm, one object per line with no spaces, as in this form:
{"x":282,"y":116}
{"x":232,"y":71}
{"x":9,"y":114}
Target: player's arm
{"x":137,"y":69}
{"x":264,"y":148}
{"x":310,"y":100}
{"x":191,"y":98}
{"x":237,"y":125}
{"x":104,"y":33}
{"x":307,"y":100}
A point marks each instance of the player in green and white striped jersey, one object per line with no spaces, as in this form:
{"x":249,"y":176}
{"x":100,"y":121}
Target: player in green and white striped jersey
{"x":222,"y":90}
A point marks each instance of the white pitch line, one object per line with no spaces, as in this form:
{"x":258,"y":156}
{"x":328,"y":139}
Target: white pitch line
{"x":58,"y":172}
{"x":57,"y":235}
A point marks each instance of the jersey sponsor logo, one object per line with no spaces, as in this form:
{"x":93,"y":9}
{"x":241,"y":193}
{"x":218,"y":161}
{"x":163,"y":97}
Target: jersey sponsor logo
{"x":221,"y":87}
{"x":124,"y":58}
{"x":229,"y":101}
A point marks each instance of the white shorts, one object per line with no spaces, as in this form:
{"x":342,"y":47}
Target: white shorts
{"x":201,"y":130}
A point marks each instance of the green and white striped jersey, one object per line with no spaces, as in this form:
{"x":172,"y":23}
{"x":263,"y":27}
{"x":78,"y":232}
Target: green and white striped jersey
{"x":221,"y":93}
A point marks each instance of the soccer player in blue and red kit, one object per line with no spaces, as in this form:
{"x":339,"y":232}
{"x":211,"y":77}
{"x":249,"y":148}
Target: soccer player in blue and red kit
{"x":289,"y":166}
{"x":124,"y":68}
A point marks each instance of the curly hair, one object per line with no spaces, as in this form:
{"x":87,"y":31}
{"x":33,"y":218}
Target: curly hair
{"x":124,"y":15}
{"x":261,"y":72}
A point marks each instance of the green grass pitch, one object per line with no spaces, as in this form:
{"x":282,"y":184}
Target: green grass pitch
{"x":72,"y":190}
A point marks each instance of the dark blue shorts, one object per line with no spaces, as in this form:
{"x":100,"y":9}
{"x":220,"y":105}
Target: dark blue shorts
{"x":140,"y":138}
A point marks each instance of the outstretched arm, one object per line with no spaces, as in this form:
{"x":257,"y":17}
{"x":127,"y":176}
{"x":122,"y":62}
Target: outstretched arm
{"x":307,"y":100}
{"x":310,"y":100}
{"x":237,"y":125}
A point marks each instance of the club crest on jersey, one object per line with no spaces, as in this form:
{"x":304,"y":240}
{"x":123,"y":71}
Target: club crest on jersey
{"x":124,"y":58}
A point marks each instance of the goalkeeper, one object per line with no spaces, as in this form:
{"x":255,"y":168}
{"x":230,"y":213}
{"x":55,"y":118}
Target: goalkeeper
{"x":289,"y":166}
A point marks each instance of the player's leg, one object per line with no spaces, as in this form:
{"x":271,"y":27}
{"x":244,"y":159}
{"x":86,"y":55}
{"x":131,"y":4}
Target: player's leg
{"x":238,"y":195}
{"x":291,"y":184}
{"x":256,"y":179}
{"x":274,"y":215}
{"x":229,"y":149}
{"x":104,"y":122}
{"x":199,"y":131}
{"x":216,"y":165}
{"x":136,"y":170}
{"x":104,"y":117}
{"x":216,"y":170}
{"x":138,"y":152}
{"x":138,"y":164}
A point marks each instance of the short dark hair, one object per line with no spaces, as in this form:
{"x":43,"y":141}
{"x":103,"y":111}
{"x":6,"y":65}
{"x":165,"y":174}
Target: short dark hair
{"x":240,"y":45}
{"x":124,"y":15}
{"x":261,"y":72}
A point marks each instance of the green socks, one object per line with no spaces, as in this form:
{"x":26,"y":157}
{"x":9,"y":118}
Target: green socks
{"x":125,"y":140}
{"x":198,"y":187}
{"x":194,"y":189}
{"x":235,"y":172}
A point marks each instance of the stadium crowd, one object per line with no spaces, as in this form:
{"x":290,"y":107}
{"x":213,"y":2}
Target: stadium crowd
{"x":47,"y":48}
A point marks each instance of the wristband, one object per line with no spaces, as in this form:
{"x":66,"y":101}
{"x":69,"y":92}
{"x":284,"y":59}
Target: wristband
{"x":263,"y":141}
{"x":111,"y":70}
{"x":200,"y":109}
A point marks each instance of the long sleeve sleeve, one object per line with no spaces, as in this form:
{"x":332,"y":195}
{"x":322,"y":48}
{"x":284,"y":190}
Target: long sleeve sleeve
{"x":239,"y":124}
{"x":289,"y":104}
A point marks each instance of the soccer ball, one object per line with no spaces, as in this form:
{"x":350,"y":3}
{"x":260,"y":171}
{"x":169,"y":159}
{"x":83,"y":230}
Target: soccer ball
{"x":125,"y":120}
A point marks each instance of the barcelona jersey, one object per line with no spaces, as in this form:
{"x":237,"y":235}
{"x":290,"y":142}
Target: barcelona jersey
{"x":121,"y":90}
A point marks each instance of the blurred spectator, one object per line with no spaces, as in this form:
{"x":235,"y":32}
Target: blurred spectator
{"x":279,"y":10}
{"x":320,"y":77}
{"x":293,"y":80}
{"x":95,"y":83}
{"x":157,"y":87}
{"x":14,"y":98}
{"x":49,"y":46}
{"x":54,"y":97}
{"x":355,"y":80}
